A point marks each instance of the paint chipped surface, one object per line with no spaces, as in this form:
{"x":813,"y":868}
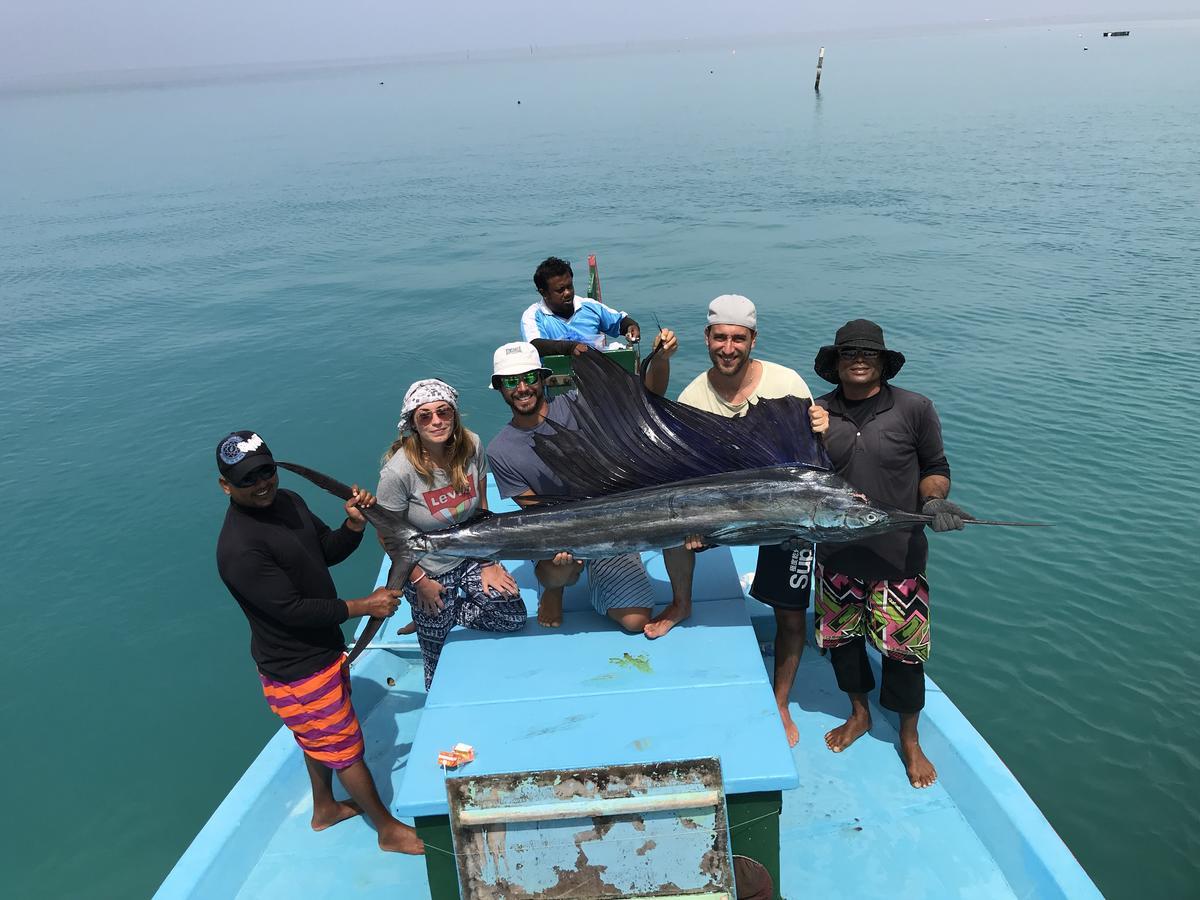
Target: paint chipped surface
{"x":606,"y":856}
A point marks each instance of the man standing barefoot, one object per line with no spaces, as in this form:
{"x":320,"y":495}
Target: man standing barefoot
{"x":887,"y":442}
{"x":727,"y":388}
{"x":274,"y":556}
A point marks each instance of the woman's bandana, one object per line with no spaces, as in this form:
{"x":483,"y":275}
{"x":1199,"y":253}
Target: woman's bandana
{"x":430,"y":390}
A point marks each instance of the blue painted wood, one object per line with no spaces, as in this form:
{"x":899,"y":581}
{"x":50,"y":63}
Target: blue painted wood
{"x":590,"y":655}
{"x":736,"y":723}
{"x":589,"y":694}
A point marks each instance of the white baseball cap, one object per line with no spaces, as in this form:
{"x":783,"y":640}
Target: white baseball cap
{"x":516,"y":358}
{"x":733,"y":309}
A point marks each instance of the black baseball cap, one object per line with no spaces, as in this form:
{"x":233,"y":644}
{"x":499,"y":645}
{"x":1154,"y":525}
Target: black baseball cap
{"x":241,"y":452}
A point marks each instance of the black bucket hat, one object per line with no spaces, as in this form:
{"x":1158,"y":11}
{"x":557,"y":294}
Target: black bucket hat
{"x":859,"y":334}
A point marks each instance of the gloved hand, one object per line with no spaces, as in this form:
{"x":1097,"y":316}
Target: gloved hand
{"x":947,"y":516}
{"x":792,"y":544}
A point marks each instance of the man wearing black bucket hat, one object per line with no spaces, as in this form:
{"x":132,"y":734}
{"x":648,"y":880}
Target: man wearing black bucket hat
{"x":274,"y":556}
{"x":887,"y":442}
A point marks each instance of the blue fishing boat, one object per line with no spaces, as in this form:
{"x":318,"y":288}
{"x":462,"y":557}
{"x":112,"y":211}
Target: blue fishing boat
{"x":588,"y":698}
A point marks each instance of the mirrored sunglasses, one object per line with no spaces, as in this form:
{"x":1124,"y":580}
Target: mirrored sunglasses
{"x":529,"y":378}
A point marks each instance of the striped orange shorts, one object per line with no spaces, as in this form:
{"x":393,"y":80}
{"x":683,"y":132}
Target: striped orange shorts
{"x":317,"y":709}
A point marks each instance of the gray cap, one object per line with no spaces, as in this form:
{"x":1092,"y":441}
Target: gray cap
{"x":733,"y":309}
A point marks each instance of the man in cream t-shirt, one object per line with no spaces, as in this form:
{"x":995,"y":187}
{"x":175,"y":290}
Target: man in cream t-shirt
{"x":727,"y":388}
{"x":735,"y":380}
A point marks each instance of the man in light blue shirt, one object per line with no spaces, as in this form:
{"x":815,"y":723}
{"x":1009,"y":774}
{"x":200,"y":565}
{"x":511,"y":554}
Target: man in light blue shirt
{"x":560,"y":321}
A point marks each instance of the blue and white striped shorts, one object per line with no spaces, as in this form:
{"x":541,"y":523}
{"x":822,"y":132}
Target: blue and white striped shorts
{"x":619,"y":582}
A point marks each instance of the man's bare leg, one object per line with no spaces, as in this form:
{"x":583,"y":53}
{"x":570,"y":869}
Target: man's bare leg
{"x":554,"y":577}
{"x":855,"y":727}
{"x":632,"y":618}
{"x":789,"y":645}
{"x":326,"y":810}
{"x":921,"y":773}
{"x":393,"y":835}
{"x":681,"y":566}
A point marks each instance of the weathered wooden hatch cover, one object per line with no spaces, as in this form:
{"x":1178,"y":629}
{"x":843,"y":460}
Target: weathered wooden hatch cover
{"x":650,"y":830}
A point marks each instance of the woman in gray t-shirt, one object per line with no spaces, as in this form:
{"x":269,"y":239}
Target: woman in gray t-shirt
{"x":436,"y":473}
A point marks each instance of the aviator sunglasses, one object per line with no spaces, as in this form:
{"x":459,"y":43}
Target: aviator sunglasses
{"x":425,"y":416}
{"x":253,"y":477}
{"x":851,"y":352}
{"x":529,"y":378}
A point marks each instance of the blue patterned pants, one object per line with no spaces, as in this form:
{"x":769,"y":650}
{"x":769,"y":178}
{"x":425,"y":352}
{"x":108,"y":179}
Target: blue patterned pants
{"x":465,"y":604}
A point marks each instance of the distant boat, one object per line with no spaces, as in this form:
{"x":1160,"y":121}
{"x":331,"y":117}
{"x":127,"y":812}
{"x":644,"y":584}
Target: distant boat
{"x":1116,"y":34}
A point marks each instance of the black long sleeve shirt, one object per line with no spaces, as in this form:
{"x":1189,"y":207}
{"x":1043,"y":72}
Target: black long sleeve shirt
{"x":275,"y":562}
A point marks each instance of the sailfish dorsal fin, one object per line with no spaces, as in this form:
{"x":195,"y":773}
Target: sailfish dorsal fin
{"x":628,"y":437}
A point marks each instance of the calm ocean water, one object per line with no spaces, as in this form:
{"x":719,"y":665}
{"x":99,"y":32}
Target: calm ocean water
{"x":1020,"y":214}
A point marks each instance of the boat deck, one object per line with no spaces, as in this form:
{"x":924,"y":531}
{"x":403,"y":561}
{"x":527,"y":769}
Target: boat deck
{"x":854,"y":826}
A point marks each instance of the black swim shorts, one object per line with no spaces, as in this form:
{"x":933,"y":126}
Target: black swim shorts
{"x":783,"y":578}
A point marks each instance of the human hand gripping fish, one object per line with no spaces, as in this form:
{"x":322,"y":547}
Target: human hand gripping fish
{"x":391,"y":526}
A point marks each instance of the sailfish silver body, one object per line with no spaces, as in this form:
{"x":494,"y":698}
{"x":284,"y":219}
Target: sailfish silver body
{"x":756,"y":506}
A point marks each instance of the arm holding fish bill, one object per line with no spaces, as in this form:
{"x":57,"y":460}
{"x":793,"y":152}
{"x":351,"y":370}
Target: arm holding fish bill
{"x":947,"y":516}
{"x":934,"y":486}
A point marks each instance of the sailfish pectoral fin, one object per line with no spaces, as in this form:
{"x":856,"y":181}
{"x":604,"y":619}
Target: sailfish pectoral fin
{"x":753,"y":535}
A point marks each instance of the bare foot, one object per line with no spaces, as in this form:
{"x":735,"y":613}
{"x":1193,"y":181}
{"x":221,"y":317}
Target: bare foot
{"x":789,"y":727}
{"x":340,"y":811}
{"x":667,"y":619}
{"x":550,"y":609}
{"x":921,"y":773}
{"x":844,"y":735}
{"x":401,"y":838}
{"x":410,"y":628}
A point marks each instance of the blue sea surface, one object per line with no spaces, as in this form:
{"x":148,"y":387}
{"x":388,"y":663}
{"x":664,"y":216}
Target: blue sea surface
{"x":288,"y":253}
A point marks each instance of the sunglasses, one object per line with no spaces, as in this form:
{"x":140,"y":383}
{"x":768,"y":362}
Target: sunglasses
{"x":512,"y":381}
{"x":254,"y":476}
{"x":851,"y":352}
{"x":425,"y":416}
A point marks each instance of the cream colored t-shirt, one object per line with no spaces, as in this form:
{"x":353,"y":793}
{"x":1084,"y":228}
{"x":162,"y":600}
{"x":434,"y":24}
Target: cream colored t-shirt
{"x":775,"y":381}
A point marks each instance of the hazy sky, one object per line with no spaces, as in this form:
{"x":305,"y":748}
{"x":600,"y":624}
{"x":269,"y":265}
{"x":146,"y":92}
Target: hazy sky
{"x":55,"y":36}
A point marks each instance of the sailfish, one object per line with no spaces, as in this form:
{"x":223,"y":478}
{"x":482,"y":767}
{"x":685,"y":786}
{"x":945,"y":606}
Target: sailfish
{"x":643,"y":473}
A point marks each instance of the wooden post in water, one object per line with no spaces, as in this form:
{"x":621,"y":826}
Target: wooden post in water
{"x":820,"y":60}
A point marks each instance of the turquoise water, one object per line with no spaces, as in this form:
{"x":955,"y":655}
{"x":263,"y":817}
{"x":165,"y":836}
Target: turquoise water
{"x":288,"y":254}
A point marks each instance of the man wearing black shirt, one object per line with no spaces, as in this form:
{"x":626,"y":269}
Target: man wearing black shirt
{"x":274,"y":556}
{"x":887,"y":442}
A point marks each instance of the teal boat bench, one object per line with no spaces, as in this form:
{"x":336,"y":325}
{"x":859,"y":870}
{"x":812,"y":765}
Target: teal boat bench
{"x":587,"y":694}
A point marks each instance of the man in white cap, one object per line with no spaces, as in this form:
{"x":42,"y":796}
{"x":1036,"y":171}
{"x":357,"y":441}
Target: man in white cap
{"x":620,"y":587}
{"x":782,"y":579}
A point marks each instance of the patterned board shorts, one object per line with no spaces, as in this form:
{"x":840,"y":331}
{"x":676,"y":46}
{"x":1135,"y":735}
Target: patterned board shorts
{"x":892,"y":615}
{"x":317,"y":710}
